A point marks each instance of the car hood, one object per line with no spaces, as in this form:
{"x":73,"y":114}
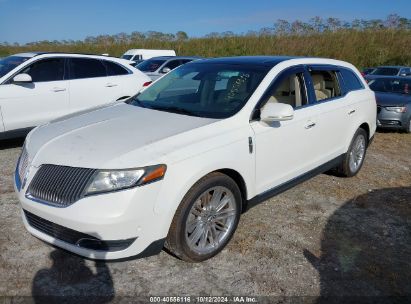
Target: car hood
{"x":118,"y":136}
{"x":390,"y":99}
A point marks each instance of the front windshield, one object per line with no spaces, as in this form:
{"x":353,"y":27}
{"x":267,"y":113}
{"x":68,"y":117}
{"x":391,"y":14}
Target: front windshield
{"x":127,"y":57}
{"x":395,"y":86}
{"x":150,"y":65}
{"x":9,"y":63}
{"x":385,"y":71}
{"x":203,"y":90}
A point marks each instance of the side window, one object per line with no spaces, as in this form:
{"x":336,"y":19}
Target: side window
{"x":172,"y":64}
{"x":114,"y":69}
{"x":351,"y":81}
{"x":289,"y":89}
{"x":325,"y":84}
{"x":86,"y":68}
{"x":46,"y":70}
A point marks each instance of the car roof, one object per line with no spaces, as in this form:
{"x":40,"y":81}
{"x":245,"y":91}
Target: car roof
{"x":268,"y":61}
{"x":174,"y":57}
{"x":392,"y":66}
{"x":34,"y":54}
{"x":391,"y":77}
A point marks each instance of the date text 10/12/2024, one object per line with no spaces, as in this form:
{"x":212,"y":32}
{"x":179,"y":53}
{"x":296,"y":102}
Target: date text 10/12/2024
{"x":203,"y":299}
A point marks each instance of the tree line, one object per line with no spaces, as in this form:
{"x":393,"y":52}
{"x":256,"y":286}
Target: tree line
{"x":361,"y":41}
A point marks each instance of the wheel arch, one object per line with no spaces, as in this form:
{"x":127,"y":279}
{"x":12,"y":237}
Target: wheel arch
{"x":366,"y":128}
{"x":239,"y":180}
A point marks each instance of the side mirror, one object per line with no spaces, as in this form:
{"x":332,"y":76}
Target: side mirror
{"x":276,"y":112}
{"x":22,"y":78}
{"x":165,"y":70}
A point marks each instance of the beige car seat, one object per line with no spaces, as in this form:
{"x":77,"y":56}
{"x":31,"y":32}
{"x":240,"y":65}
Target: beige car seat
{"x":319,"y":87}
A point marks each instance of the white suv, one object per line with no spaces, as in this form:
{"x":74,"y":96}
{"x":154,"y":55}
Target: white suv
{"x":38,"y":87}
{"x":178,"y":163}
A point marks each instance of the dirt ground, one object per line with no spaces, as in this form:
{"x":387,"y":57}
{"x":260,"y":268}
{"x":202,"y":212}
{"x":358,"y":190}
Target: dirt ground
{"x":326,"y":237}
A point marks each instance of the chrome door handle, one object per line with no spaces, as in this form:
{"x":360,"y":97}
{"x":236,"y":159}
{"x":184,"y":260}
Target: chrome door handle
{"x":351,"y":112}
{"x":58,"y":89}
{"x":310,"y":125}
{"x":110,"y":85}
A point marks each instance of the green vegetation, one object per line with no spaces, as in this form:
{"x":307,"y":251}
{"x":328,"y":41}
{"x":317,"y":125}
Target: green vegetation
{"x":361,"y":42}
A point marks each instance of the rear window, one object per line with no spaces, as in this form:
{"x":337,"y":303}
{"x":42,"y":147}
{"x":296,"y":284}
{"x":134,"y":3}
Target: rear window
{"x":114,"y":69}
{"x":86,"y":68}
{"x":150,"y":65}
{"x":385,"y":71}
{"x":351,"y":81}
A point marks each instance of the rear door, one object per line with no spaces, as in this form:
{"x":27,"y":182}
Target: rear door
{"x":26,"y":105}
{"x":120,"y":81}
{"x":89,"y":84}
{"x":334,"y":109}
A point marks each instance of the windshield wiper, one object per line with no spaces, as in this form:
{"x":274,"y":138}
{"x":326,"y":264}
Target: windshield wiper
{"x":176,"y":110}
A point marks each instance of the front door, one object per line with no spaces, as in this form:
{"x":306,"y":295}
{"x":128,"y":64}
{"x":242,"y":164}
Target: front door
{"x":286,"y":149}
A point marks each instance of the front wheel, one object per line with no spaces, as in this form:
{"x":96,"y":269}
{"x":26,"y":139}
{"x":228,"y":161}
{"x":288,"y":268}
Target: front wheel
{"x":354,"y":158}
{"x":206,"y":219}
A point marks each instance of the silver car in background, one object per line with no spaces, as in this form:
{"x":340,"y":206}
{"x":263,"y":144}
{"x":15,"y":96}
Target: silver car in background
{"x":158,"y":66}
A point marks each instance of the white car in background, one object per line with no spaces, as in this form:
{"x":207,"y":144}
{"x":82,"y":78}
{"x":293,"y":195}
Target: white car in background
{"x":135,"y":56}
{"x":177,"y":164}
{"x":36,"y":88}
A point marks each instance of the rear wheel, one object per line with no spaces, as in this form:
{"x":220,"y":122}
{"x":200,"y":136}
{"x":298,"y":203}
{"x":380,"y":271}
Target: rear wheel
{"x":206,"y":219}
{"x":354,"y":158}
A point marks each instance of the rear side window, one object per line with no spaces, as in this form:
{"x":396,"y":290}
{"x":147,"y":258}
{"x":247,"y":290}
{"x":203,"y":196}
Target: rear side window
{"x":86,"y":68}
{"x":326,"y":85}
{"x":351,"y":81}
{"x":46,"y":70}
{"x":114,"y":69}
{"x":173,"y":64}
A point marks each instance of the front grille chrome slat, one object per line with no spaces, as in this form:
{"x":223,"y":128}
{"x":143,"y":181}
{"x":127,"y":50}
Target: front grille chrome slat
{"x":59,"y":186}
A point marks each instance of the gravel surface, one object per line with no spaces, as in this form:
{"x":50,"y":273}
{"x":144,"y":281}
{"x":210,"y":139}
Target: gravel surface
{"x":327,"y":236}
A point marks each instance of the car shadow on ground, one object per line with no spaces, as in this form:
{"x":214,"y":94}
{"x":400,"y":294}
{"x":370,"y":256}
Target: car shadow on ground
{"x":11,"y":143}
{"x":70,"y":280}
{"x":366,"y":250}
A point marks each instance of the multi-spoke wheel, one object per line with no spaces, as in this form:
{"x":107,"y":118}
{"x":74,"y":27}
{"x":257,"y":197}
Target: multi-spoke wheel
{"x":206,"y":218}
{"x":355,"y":155}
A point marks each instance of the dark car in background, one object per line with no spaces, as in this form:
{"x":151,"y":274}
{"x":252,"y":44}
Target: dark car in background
{"x":158,"y":66}
{"x":393,"y":95}
{"x":401,"y":71}
{"x":366,"y":71}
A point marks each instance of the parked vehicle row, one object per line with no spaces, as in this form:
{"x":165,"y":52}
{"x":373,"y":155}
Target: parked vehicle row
{"x":401,"y":71}
{"x":36,"y":88}
{"x":176,"y":164}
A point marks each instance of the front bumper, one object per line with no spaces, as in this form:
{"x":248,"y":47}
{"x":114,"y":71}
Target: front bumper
{"x":391,"y":119}
{"x":125,"y":219}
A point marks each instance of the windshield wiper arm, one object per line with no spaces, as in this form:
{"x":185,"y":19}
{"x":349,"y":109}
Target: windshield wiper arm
{"x":177,"y":110}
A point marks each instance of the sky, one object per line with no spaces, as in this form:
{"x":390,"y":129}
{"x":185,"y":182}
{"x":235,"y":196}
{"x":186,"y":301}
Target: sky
{"x":25,"y":21}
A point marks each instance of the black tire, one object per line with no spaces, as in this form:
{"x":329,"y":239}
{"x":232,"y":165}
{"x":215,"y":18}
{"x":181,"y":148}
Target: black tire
{"x":345,"y":169}
{"x":176,"y":242}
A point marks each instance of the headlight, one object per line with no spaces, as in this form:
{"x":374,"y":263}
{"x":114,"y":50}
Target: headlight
{"x":397,"y":109}
{"x":113,"y":180}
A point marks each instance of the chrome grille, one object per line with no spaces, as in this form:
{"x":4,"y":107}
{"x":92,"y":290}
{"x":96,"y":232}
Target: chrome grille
{"x":59,"y":186}
{"x":23,"y":164}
